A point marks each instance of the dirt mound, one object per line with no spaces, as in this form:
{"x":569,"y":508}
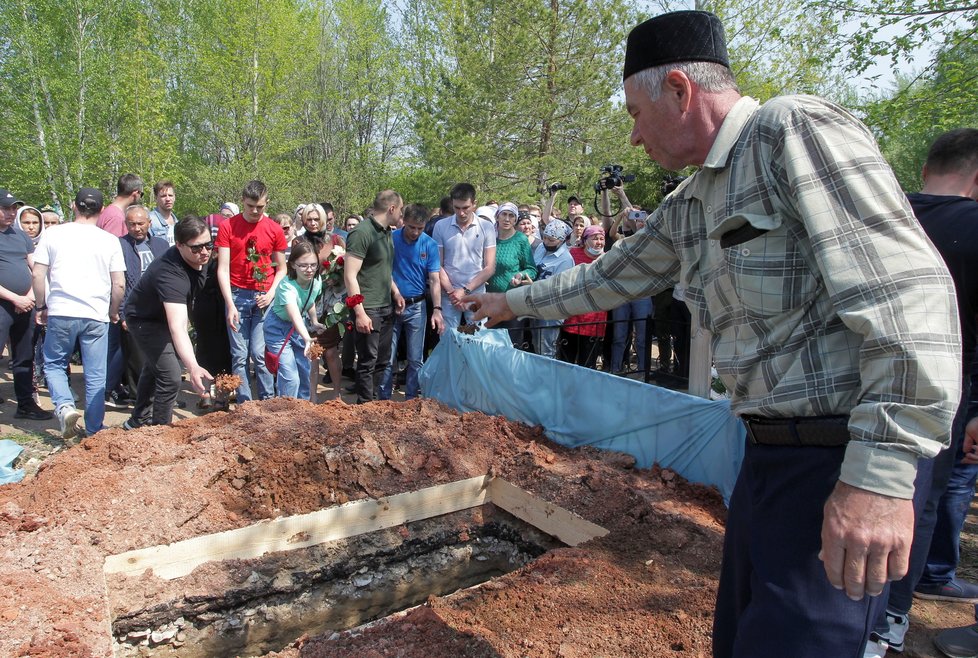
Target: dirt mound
{"x":647,"y":588}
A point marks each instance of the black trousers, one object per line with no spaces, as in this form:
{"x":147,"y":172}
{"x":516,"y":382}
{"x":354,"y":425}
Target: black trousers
{"x":373,"y":352}
{"x":159,"y":380}
{"x":578,"y":349}
{"x":19,"y":329}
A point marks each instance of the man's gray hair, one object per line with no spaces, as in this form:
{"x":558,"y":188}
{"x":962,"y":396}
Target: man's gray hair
{"x":134,"y":207}
{"x":709,"y":76}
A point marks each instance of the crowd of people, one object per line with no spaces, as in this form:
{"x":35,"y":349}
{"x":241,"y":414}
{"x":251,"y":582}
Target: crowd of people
{"x":833,"y":301}
{"x":269,"y":288}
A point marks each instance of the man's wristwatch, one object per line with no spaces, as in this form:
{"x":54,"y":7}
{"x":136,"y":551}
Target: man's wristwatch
{"x":466,"y":290}
{"x":40,"y":308}
{"x":436,"y":308}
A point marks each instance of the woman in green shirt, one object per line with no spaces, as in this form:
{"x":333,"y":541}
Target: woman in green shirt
{"x":287,"y":327}
{"x":514,"y":263}
{"x":514,"y":258}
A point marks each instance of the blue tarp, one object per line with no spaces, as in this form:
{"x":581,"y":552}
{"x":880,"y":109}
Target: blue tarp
{"x":699,"y":439}
{"x":8,"y":453}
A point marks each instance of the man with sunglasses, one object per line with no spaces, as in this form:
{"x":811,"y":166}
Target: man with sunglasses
{"x":158,"y":317}
{"x":129,"y":190}
{"x":139,"y":250}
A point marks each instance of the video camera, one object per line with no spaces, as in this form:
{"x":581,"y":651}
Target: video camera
{"x":556,"y":187}
{"x":612,"y":176}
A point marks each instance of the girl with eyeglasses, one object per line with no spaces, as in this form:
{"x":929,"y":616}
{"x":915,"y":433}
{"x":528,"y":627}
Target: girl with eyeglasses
{"x":287,"y":329}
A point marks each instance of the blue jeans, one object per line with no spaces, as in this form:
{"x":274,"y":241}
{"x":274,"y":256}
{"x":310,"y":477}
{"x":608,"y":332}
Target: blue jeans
{"x":932,"y":478}
{"x":293,"y":366}
{"x":637,"y":310}
{"x":59,"y":342}
{"x":411,"y":322}
{"x":945,"y":547}
{"x":452,"y":316}
{"x":545,"y":339}
{"x":249,"y":340}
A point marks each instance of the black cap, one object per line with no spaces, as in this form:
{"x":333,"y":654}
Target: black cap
{"x":89,"y":201}
{"x":573,"y":199}
{"x":7,"y":199}
{"x":680,"y":36}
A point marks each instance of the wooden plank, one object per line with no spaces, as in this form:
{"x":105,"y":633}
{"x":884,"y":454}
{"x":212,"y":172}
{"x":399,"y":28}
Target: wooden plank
{"x":552,"y":519}
{"x":289,"y":533}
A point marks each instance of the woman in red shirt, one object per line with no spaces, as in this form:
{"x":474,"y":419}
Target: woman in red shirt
{"x":581,"y":336}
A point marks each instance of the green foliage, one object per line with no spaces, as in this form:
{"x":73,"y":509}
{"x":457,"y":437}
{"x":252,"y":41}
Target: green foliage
{"x":920,"y":109}
{"x":338,"y":98}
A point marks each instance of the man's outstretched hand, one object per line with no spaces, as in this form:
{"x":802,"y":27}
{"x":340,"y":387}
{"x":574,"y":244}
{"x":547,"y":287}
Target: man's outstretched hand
{"x":489,"y":306}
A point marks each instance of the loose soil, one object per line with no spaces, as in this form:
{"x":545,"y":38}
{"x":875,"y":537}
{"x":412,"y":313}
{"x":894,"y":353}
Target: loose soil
{"x":645,"y":589}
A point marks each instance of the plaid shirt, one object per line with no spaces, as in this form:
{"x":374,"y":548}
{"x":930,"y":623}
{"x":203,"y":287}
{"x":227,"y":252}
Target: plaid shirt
{"x":842,"y":306}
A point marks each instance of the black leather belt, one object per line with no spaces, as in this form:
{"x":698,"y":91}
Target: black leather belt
{"x":821,"y":431}
{"x":413,"y":300}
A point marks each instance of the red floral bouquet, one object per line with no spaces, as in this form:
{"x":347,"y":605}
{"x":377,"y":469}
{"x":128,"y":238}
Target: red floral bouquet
{"x":260,"y":264}
{"x":335,"y":310}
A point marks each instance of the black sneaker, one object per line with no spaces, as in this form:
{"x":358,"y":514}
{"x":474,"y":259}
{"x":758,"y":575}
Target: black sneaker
{"x":113,"y":401}
{"x":130,"y":424}
{"x":31,"y":411}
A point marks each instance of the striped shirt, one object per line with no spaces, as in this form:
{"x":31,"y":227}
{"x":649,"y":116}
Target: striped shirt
{"x":840,"y":307}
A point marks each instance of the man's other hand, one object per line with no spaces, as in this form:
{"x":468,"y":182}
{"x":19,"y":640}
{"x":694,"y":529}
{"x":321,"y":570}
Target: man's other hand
{"x":865,"y":539}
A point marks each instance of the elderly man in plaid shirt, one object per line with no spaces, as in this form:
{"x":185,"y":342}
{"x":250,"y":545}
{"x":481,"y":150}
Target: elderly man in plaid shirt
{"x":833,"y":321}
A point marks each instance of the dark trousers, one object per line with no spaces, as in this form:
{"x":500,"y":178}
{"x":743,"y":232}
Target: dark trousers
{"x":578,"y":349}
{"x":681,"y":327}
{"x":373,"y":352}
{"x":774,"y":597}
{"x":19,"y":329}
{"x":125,"y":361}
{"x":159,"y":381}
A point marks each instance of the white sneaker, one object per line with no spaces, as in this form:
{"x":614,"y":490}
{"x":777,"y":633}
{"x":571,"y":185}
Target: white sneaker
{"x":893,"y":638}
{"x":875,"y":649}
{"x":68,"y":420}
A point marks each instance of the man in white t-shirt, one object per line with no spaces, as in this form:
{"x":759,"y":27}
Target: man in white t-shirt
{"x":82,"y":271}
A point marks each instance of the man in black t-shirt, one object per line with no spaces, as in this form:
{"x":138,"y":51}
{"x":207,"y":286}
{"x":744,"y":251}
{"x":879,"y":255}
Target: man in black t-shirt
{"x":947,"y":208}
{"x":17,"y":307}
{"x":157,"y":313}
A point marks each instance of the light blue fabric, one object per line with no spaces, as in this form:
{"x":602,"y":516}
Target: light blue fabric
{"x":699,"y":439}
{"x":8,"y":453}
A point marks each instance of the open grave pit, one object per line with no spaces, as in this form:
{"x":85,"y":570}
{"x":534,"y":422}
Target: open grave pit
{"x":645,"y":588}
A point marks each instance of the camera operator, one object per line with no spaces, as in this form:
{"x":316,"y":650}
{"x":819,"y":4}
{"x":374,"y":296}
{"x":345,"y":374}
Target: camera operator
{"x":617,"y":226}
{"x":574,"y":206}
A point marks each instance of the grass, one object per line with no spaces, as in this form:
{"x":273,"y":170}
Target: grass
{"x":37,"y":447}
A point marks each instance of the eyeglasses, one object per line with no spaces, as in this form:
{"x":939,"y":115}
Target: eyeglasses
{"x":197,"y":248}
{"x":306,"y":266}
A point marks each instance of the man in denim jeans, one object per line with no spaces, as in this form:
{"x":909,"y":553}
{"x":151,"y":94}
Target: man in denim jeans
{"x":372,"y":295}
{"x":81,"y":270}
{"x":250,"y":264}
{"x":416,"y":267}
